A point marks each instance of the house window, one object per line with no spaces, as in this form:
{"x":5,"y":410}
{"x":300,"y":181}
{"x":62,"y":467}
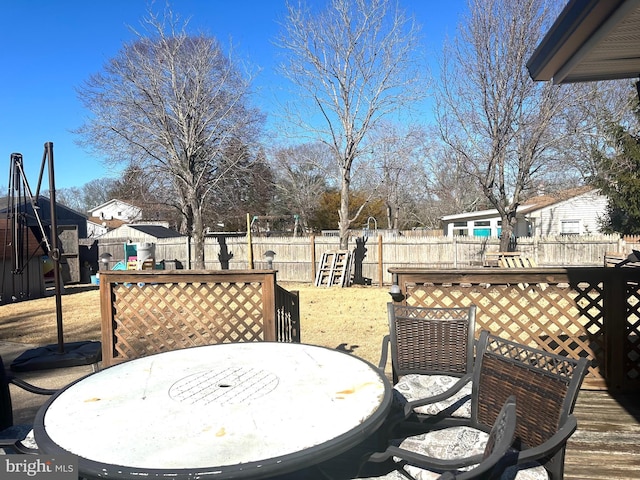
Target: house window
{"x":460,"y":229}
{"x":482,"y":228}
{"x":570,"y":227}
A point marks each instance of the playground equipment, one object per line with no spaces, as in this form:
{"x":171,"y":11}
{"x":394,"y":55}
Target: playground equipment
{"x":140,"y":256}
{"x":260,"y":223}
{"x":50,"y":356}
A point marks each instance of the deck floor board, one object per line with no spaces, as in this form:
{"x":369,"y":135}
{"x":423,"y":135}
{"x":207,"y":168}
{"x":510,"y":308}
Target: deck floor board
{"x":606,"y":444}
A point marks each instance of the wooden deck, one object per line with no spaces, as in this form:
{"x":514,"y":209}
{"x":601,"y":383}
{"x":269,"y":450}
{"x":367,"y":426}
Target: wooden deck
{"x":607,"y":442}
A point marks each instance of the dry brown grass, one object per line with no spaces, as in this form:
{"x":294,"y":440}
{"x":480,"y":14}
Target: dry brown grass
{"x":352,"y":319}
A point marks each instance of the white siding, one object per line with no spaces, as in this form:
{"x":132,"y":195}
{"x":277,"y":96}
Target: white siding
{"x":95,"y":230}
{"x":116,"y":209}
{"x":131,"y":234}
{"x":581,"y":212}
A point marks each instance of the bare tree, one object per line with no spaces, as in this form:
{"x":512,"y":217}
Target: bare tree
{"x":356,"y":62}
{"x":600,"y":104}
{"x":399,"y":161}
{"x":171,"y":103}
{"x":302,"y":172}
{"x":450,"y":188}
{"x":82,"y":199}
{"x":500,"y":124}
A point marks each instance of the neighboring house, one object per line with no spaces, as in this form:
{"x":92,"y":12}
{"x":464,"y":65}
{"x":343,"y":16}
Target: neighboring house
{"x":573,"y":212}
{"x":115,"y":210}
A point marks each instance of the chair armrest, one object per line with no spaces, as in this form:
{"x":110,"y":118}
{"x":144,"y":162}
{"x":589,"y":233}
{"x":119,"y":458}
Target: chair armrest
{"x":16,"y":445}
{"x":31,"y":388}
{"x":456,"y":387}
{"x":384,"y":352}
{"x":551,"y":446}
{"x":424,"y":461}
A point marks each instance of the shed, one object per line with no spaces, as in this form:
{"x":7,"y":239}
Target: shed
{"x":113,"y":242}
{"x":71,"y":224}
{"x":139,"y":232}
{"x":20,"y":279}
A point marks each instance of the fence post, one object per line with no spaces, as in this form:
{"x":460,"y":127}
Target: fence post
{"x":249,"y":244}
{"x":380,"y":262}
{"x":312,"y":242}
{"x":455,"y":252}
{"x":188,"y":242}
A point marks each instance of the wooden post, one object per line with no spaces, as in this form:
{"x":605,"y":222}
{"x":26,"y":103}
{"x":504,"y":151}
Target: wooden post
{"x":380,"y":262}
{"x":614,"y":327}
{"x":249,"y":244}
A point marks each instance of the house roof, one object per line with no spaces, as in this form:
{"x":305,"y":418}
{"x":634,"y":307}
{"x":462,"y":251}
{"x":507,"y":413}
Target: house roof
{"x":590,"y":40}
{"x":109,"y":202}
{"x":157,"y":231}
{"x":486,"y":213}
{"x":530,"y":205}
{"x":541,"y":201}
{"x":44,"y":203}
{"x":110,"y":224}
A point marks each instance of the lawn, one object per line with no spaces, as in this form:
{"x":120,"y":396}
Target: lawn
{"x":352,"y":319}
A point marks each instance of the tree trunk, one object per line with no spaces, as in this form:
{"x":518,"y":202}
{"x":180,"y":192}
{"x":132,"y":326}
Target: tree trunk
{"x":343,"y":214}
{"x":509,"y":221}
{"x":197,"y":237}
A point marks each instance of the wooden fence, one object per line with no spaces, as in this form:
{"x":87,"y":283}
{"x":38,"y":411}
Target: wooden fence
{"x":579,"y":312}
{"x":145,"y":312}
{"x":297,"y":258}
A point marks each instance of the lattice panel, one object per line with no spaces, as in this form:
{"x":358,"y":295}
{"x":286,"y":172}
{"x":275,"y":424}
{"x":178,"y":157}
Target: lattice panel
{"x":632,"y":337}
{"x":154,"y":317}
{"x":557,"y":318}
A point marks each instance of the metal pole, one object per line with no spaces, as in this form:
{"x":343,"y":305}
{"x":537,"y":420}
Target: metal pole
{"x":55,"y":252}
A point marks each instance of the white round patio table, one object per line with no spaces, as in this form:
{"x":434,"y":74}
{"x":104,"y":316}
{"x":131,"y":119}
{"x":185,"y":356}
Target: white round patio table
{"x":240,"y":410}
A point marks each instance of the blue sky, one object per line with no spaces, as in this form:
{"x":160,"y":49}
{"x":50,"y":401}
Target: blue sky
{"x":49,"y":47}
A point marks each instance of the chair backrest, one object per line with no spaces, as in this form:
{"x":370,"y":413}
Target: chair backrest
{"x":431,"y":340}
{"x":545,"y":386}
{"x":496,"y":450}
{"x":6,"y":408}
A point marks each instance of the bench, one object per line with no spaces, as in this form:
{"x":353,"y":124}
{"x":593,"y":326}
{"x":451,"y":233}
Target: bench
{"x":620,"y":259}
{"x":509,"y":260}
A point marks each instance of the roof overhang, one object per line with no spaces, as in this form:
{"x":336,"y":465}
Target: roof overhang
{"x":591,"y":40}
{"x":521,"y":210}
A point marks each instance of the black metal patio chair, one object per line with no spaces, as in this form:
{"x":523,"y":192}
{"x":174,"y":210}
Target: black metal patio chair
{"x":545,"y":387}
{"x":431,"y":349}
{"x":466,"y":466}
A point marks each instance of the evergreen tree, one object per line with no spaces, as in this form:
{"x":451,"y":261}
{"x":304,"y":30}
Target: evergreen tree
{"x":619,"y":178}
